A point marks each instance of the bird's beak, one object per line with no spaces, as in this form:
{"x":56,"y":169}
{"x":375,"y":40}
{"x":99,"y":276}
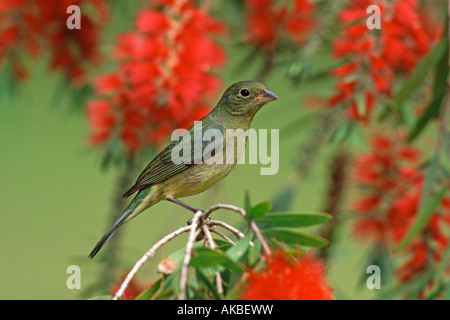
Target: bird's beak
{"x":266,"y":96}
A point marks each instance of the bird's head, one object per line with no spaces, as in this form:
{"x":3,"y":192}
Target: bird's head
{"x":245,"y":98}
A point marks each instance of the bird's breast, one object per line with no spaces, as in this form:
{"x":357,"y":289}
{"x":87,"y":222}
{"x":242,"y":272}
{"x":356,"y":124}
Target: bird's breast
{"x":195,"y":180}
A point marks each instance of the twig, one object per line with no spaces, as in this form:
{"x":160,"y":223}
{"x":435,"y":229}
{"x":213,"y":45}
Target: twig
{"x":226,"y":207}
{"x":212,"y":245}
{"x":187,"y":256}
{"x":223,"y":236}
{"x":259,"y":235}
{"x":147,"y":255}
{"x":236,"y":232}
{"x":252,"y":224}
{"x":199,"y":223}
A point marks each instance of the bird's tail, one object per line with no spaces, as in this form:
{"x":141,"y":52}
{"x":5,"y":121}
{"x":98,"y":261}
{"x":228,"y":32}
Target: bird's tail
{"x":136,"y":206}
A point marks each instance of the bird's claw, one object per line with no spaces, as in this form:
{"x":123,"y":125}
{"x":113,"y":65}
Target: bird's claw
{"x":189,"y":222}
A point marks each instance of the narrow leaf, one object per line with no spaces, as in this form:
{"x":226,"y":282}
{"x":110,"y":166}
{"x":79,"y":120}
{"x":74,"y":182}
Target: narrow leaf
{"x":420,"y":72}
{"x":247,"y":206}
{"x":422,"y":217}
{"x":293,"y":220}
{"x":260,"y":209}
{"x":432,"y":111}
{"x":203,"y":278}
{"x":209,"y":258}
{"x":238,"y":250}
{"x":295,"y":237}
{"x":148,"y":293}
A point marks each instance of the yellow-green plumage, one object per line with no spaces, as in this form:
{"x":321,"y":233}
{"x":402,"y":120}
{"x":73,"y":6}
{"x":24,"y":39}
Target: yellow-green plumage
{"x":163,"y":179}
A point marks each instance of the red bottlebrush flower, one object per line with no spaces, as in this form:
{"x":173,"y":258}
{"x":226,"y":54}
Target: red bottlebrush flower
{"x":266,"y":23}
{"x":299,"y":22}
{"x":152,"y":21}
{"x":101,"y":119}
{"x":287,"y":279}
{"x":345,"y":69}
{"x":367,"y":203}
{"x":42,"y":23}
{"x":165,"y":75}
{"x":390,"y":205}
{"x":386,"y":173}
{"x":406,"y":35}
{"x":107,"y":83}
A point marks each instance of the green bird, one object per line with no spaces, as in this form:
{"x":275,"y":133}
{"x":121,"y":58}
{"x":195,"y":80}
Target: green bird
{"x":166,"y":179}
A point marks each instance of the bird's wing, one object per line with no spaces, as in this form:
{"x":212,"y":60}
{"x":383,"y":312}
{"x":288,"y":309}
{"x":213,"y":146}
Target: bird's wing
{"x":162,"y":167}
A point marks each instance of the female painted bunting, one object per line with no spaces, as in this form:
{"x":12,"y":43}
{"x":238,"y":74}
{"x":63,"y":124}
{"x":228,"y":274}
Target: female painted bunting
{"x":166,"y":179}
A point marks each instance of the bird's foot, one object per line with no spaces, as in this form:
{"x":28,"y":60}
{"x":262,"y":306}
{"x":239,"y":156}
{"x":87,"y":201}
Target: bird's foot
{"x":208,"y":218}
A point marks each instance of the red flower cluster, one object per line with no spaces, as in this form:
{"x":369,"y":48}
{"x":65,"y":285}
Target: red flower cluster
{"x":378,"y":57}
{"x":266,"y":24}
{"x":164,"y":80}
{"x":284,"y":279}
{"x":389,"y":207}
{"x":37,"y":24}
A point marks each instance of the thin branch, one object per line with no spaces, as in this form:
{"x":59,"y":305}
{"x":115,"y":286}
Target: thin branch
{"x":147,"y":255}
{"x":225,"y":237}
{"x":225,"y":225}
{"x":212,"y":245}
{"x":208,"y":236}
{"x":187,"y":256}
{"x":226,"y":207}
{"x":199,"y":223}
{"x":259,"y":235}
{"x":252,"y":224}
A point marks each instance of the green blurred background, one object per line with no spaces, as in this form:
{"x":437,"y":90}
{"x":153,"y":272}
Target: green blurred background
{"x":55,"y":198}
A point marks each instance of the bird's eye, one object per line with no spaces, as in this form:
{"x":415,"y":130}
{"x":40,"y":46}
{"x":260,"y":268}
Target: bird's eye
{"x":245,"y":93}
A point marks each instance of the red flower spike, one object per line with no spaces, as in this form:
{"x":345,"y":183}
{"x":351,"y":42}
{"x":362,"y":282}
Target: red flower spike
{"x":296,"y":22}
{"x":165,"y":75}
{"x":390,"y":205}
{"x":42,"y":24}
{"x":287,"y":279}
{"x":407,"y":34}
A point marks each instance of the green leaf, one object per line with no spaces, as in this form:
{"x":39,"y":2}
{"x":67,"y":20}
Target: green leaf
{"x":235,"y":292}
{"x":204,"y":279}
{"x":253,"y":254}
{"x":342,"y":132}
{"x":408,"y":287}
{"x":237,"y":251}
{"x":293,"y":220}
{"x":260,"y":209}
{"x":432,"y":111}
{"x":207,"y":257}
{"x":148,"y":293}
{"x":251,"y":212}
{"x":439,"y":89}
{"x":422,"y":217}
{"x":166,"y":293}
{"x":170,"y":286}
{"x":421,"y":282}
{"x":178,"y":256}
{"x":247,"y":206}
{"x":419,"y":74}
{"x":295,"y":237}
{"x":439,"y":270}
